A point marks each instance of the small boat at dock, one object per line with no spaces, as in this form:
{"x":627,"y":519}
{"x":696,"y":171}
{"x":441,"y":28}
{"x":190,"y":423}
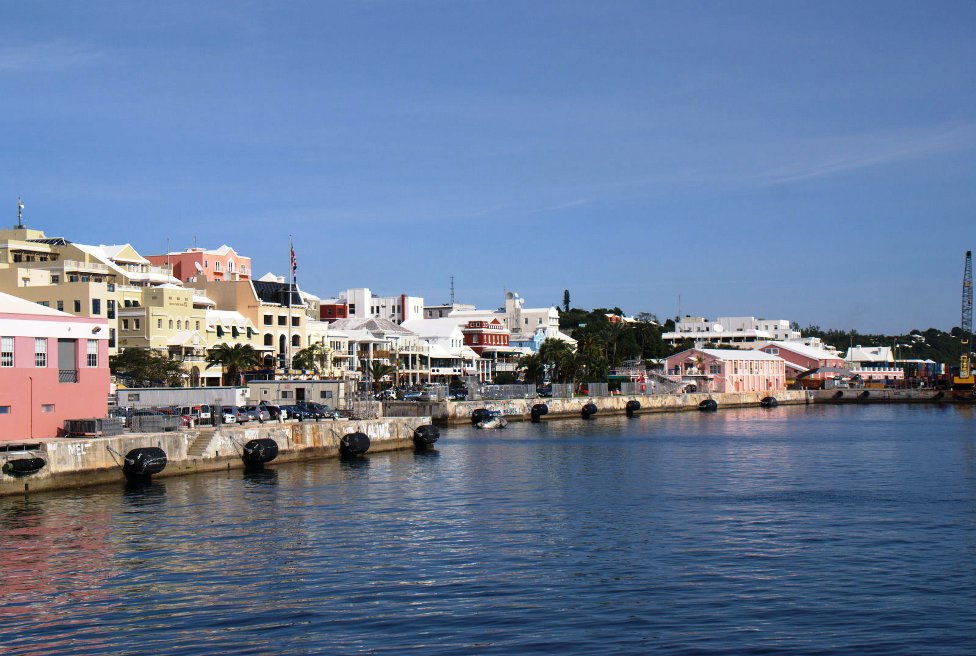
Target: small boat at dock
{"x":492,"y":419}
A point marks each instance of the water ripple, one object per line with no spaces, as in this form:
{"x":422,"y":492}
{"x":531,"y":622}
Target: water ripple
{"x":824,"y":530}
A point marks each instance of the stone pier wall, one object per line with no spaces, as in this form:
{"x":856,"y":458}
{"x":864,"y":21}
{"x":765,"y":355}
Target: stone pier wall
{"x":459,"y":412}
{"x":78,"y":462}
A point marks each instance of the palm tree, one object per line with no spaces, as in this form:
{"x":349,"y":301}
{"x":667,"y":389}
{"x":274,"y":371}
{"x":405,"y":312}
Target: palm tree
{"x":379,"y":370}
{"x":557,"y":356}
{"x":315,"y":357}
{"x":533,"y":369}
{"x":235,"y":360}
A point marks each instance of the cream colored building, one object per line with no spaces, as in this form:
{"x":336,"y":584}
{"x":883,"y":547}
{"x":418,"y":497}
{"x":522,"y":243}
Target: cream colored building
{"x":84,"y":280}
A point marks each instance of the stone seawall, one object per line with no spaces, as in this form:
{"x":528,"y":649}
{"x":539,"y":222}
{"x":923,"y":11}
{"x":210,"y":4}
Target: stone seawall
{"x":79,"y":462}
{"x":886,"y":396}
{"x":459,"y":412}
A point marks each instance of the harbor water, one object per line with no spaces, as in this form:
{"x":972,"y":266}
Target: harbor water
{"x":796,"y":530}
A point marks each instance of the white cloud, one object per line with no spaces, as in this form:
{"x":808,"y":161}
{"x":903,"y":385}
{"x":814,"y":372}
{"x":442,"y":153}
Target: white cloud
{"x":46,"y":56}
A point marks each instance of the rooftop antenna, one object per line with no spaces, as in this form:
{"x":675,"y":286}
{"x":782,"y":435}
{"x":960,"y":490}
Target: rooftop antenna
{"x":20,"y":215}
{"x":452,"y":290}
{"x":194,"y":241}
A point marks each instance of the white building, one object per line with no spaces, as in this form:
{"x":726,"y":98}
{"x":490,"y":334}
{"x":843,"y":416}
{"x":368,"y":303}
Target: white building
{"x":732,"y":330}
{"x":361,"y":303}
{"x":518,"y":319}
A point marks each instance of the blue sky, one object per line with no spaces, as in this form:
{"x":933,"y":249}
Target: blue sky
{"x":809,"y":161}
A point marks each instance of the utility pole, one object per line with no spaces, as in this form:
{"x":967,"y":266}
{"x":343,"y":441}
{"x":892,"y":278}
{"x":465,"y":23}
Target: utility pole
{"x":452,"y":291}
{"x":20,"y":215}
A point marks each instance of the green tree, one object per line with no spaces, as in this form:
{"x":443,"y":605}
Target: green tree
{"x":141,"y":367}
{"x":533,"y":369}
{"x":236,"y":360}
{"x":379,"y":370}
{"x":565,"y":300}
{"x":557,"y":356}
{"x":314,"y":357}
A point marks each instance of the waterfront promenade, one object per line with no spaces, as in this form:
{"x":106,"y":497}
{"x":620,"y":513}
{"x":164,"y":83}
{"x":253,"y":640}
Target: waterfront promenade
{"x":73,"y":462}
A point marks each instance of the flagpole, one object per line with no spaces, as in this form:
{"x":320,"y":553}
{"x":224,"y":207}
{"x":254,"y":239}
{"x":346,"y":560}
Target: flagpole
{"x":291,"y":282}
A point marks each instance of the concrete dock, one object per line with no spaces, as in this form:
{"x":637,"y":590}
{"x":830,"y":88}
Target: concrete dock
{"x":459,"y":412}
{"x":73,"y":462}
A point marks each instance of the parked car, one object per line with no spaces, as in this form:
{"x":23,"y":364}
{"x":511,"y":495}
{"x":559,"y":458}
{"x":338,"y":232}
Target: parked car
{"x":276,"y":412}
{"x":386,"y":395}
{"x":320,"y":410}
{"x":233,"y":415}
{"x":296,"y":412}
{"x":257,"y":413}
{"x":413,"y":396}
{"x":459,"y":394}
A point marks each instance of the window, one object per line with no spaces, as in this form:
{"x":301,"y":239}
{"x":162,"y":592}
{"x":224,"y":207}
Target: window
{"x":92,"y":353}
{"x":243,"y":268}
{"x":296,"y":340}
{"x":268,"y":320}
{"x":137,"y":324}
{"x":286,"y":394}
{"x":55,"y":279}
{"x":234,"y":332}
{"x":159,"y":323}
{"x":111,"y":337}
{"x":40,"y":351}
{"x":60,"y":306}
{"x":325,"y":395}
{"x":179,"y":324}
{"x":282,"y":321}
{"x":220,"y":331}
{"x":47,"y":407}
{"x":96,"y":306}
{"x":6,"y":351}
{"x":296,"y":321}
{"x":133,"y":397}
{"x":198,"y":325}
{"x":77,"y":306}
{"x":216,"y":265}
{"x":171,"y":324}
{"x":44,"y":303}
{"x":230,"y":265}
{"x":110,"y":309}
{"x":125,"y":324}
{"x":206,"y":264}
{"x":4,"y":409}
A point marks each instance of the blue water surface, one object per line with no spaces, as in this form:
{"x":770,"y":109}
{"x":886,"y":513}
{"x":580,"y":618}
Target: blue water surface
{"x":797,"y":530}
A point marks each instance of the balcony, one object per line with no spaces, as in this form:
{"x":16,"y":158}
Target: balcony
{"x":84,"y":267}
{"x":67,"y":375}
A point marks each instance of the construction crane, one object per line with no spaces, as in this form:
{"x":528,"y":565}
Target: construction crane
{"x":964,"y":381}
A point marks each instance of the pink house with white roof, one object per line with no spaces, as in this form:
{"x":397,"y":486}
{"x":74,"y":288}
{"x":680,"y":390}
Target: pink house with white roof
{"x":53,"y":366}
{"x":805,"y":358}
{"x":196,"y":264}
{"x":729,"y":370}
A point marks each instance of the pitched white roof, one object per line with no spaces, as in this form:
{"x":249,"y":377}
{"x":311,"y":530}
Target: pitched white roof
{"x":112,"y":252}
{"x":226,"y":318}
{"x":16,"y":305}
{"x":736,"y":354}
{"x":869,"y":354}
{"x":806,"y":351}
{"x":441,"y":327}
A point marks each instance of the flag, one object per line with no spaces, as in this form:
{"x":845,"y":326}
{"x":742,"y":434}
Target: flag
{"x":294,"y":264}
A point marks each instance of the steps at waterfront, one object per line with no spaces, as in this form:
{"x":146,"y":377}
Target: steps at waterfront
{"x":201,"y":445}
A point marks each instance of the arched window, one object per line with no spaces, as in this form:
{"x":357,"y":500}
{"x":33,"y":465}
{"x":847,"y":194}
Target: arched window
{"x":296,"y":340}
{"x":235,"y":332}
{"x":268,"y":339}
{"x":171,"y":324}
{"x":282,"y":344}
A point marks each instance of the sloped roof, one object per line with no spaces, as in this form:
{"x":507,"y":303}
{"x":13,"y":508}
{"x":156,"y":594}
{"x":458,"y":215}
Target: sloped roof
{"x":440,"y":327}
{"x":372,"y":324}
{"x":277,"y":292}
{"x":869,"y":354}
{"x":123,"y":253}
{"x":802,"y":349}
{"x":736,"y":354}
{"x":15,"y":305}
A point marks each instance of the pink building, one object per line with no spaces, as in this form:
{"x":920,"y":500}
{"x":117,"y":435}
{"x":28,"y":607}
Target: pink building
{"x":806,"y":358}
{"x":729,"y":370}
{"x":53,"y":366}
{"x":197,"y":264}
